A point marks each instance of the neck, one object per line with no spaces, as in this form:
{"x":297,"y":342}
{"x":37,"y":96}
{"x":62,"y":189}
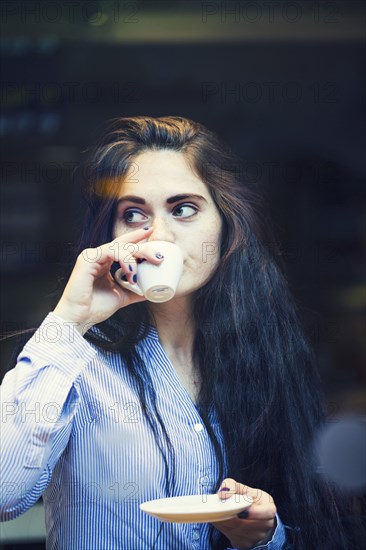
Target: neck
{"x":175,"y":325}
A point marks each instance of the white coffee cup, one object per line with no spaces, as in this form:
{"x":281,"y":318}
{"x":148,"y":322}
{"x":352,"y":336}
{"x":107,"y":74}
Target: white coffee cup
{"x":158,"y":283}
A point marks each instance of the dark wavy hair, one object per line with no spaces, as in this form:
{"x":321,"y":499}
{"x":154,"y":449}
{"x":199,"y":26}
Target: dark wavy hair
{"x":257,"y":367}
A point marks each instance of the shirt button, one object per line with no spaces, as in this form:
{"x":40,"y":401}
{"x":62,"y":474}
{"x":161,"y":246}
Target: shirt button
{"x":198,"y":427}
{"x":204,"y":479}
{"x":195,"y":534}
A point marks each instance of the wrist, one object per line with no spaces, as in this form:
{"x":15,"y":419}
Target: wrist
{"x":269,"y":535}
{"x":79,"y":324}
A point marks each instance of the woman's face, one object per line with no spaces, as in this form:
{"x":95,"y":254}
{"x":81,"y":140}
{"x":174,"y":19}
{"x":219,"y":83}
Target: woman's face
{"x":161,"y":191}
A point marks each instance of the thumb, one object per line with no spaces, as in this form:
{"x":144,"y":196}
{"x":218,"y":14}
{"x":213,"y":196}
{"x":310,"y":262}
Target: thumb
{"x":230,"y":487}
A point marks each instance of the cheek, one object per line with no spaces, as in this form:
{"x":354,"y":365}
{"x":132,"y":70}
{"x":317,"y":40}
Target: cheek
{"x":210,"y":254}
{"x":118,"y":230}
{"x":210,"y":244}
{"x":203,"y":253}
{"x":200,"y":266}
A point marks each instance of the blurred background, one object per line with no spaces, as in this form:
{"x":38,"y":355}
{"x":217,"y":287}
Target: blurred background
{"x":283,"y":83}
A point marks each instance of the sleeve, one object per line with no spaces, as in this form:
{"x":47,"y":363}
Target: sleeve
{"x":38,"y":403}
{"x":278,"y":540}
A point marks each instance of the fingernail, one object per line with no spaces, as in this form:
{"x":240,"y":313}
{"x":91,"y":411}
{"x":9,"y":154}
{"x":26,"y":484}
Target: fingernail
{"x":244,"y":514}
{"x":146,"y":228}
{"x":159,"y":256}
{"x":224,"y":489}
{"x":134,"y":278}
{"x":124,"y":278}
{"x":130,"y":267}
{"x":140,"y":260}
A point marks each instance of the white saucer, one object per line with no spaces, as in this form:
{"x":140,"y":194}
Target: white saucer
{"x":196,"y":508}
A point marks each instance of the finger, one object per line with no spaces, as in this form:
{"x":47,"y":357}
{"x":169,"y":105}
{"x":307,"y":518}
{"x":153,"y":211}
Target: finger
{"x":124,"y":246}
{"x":104,"y":255}
{"x":135,"y":236}
{"x":129,"y":272}
{"x":151,"y":254}
{"x":261,"y":511}
{"x":135,"y":257}
{"x":132,"y":296}
{"x":100,"y":259}
{"x":130,"y":251}
{"x":260,"y":498}
{"x":230,"y":487}
{"x":125,"y":296}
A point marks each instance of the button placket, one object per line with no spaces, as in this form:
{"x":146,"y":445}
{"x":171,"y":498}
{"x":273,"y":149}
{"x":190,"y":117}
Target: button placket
{"x":204,"y":481}
{"x":196,"y":535}
{"x":198,"y":427}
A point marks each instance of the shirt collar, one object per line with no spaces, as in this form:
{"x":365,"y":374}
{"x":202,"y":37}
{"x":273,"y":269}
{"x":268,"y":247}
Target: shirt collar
{"x":152,"y":332}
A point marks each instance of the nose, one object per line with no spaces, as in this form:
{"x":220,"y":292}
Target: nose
{"x":161,"y":231}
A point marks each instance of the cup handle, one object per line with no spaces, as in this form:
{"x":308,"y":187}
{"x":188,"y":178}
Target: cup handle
{"x":134,"y":287}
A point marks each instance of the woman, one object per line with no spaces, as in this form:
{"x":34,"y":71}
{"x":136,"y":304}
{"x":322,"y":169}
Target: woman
{"x":116,"y":400}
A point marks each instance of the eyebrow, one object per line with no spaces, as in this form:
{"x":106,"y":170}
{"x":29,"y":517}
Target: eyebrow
{"x":170,"y":200}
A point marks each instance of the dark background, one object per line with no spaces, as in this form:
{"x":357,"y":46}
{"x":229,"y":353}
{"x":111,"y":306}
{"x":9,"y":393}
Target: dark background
{"x":282,"y":83}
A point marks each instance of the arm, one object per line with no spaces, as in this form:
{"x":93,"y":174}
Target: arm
{"x":39,"y":399}
{"x":38,"y":404}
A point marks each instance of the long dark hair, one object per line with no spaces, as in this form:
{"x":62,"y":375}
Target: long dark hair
{"x":257,"y":367}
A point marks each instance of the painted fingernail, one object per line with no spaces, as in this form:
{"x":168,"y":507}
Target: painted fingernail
{"x":134,"y":278}
{"x":124,"y":278}
{"x":146,"y":228}
{"x":224,"y":489}
{"x":130,"y":267}
{"x":244,"y":514}
{"x":140,"y":260}
{"x":159,"y":256}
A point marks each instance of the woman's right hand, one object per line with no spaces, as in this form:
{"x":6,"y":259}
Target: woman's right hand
{"x":91,"y":294}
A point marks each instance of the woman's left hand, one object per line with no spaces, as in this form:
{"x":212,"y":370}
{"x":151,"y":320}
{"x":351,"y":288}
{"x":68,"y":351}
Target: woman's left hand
{"x":255,"y":529}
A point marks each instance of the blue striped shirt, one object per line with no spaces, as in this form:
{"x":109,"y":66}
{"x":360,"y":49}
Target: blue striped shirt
{"x":73,"y":431}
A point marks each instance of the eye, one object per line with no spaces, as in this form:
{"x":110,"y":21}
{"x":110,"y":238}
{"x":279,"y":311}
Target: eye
{"x":185,"y":210}
{"x":133,"y":216}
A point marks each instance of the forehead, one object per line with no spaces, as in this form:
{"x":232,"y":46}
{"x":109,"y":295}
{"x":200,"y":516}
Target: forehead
{"x":162,"y":171}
